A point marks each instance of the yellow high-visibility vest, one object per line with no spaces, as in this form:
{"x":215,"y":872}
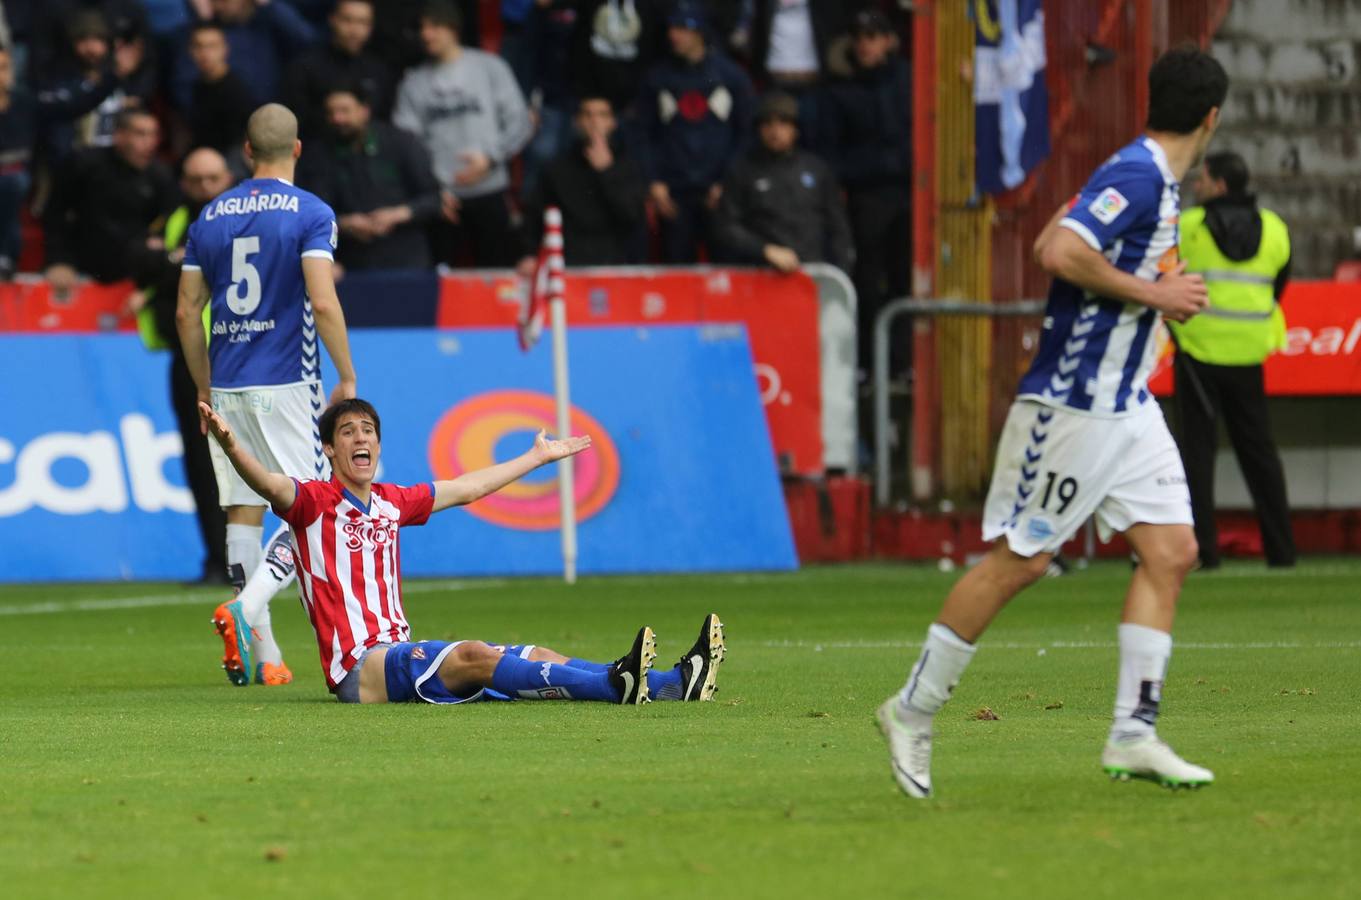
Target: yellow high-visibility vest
{"x":1243,"y":324}
{"x":175,"y":228}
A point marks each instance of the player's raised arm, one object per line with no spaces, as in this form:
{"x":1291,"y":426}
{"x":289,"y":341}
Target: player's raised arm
{"x":318,"y":273}
{"x":278,"y":489}
{"x":474,"y":485}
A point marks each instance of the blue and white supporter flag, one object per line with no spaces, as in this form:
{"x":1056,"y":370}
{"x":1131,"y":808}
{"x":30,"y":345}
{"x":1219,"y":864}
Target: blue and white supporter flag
{"x":1011,"y":103}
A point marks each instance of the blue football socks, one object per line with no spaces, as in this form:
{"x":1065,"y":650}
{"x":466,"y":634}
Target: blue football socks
{"x":663,"y":685}
{"x":551,"y":681}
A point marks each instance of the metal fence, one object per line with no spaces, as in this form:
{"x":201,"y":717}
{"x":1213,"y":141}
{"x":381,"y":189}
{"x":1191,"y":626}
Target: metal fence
{"x":1015,"y":328}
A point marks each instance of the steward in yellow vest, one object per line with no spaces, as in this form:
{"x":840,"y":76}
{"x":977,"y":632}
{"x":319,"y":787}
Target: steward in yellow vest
{"x":1243,"y":253}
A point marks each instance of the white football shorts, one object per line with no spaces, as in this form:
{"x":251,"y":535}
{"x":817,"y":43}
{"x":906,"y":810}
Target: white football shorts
{"x":278,"y":425}
{"x":1056,"y":468}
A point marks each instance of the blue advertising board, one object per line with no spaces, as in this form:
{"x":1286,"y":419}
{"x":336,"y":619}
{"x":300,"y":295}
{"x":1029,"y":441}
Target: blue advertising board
{"x":681,"y":476}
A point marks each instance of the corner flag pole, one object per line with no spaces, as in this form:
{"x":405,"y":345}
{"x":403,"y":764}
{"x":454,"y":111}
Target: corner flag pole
{"x":557,"y":306}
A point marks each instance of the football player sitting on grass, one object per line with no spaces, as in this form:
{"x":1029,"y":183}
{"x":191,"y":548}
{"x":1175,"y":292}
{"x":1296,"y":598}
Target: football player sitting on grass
{"x":345,"y":538}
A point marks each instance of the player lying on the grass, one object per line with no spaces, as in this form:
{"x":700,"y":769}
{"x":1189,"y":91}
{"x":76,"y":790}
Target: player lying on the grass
{"x":1086,"y":438}
{"x":345,"y":538}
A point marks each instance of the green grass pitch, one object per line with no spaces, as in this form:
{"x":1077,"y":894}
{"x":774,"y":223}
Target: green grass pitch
{"x":130,"y":768}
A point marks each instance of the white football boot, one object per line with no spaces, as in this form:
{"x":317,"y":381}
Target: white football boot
{"x":909,"y":750}
{"x":1148,"y":757}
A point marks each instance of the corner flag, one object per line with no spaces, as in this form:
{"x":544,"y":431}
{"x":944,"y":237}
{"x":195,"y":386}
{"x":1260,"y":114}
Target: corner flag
{"x":546,"y":284}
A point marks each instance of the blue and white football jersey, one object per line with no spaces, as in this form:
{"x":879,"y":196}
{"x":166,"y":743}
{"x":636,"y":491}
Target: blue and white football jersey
{"x":249,"y":243}
{"x":1096,"y":353}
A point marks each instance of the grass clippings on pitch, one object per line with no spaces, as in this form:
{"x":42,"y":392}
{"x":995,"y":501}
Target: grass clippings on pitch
{"x":129,"y":767}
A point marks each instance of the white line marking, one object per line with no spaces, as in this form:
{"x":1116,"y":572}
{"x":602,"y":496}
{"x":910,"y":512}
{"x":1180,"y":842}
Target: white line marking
{"x":818,"y":646}
{"x":206,"y":599}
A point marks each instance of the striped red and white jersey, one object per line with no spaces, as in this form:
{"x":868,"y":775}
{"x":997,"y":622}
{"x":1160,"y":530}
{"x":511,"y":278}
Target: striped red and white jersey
{"x":349,"y":565}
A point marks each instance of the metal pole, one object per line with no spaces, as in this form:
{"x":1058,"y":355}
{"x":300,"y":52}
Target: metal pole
{"x":562,"y":395}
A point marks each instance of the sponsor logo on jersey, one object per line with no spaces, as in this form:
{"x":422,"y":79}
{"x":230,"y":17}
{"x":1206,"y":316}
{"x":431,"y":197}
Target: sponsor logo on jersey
{"x":255,"y":203}
{"x":1108,"y":206}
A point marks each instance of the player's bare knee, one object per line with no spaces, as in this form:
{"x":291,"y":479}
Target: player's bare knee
{"x":1021,"y":571}
{"x":1174,"y":556}
{"x":469,"y":662}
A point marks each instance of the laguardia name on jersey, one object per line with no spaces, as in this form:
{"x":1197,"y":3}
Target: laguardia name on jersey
{"x":1096,"y":353}
{"x":250,"y":243}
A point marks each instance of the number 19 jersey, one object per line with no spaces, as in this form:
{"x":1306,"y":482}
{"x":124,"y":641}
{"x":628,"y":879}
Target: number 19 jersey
{"x":249,"y":244}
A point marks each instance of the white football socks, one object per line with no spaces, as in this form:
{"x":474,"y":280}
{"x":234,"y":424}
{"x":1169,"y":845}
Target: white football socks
{"x":944,"y":657}
{"x":1144,"y":654}
{"x":272,"y":575}
{"x":244,"y":550}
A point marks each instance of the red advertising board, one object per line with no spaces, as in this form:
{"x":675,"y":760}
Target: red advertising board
{"x":780,"y":312}
{"x":1322,"y":356}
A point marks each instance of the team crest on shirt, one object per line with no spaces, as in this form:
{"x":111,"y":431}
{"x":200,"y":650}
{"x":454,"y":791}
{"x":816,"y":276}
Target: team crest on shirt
{"x":375,"y":531}
{"x":1108,"y":206}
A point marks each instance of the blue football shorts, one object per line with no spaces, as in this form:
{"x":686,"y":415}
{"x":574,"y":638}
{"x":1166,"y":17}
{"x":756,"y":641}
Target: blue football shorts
{"x":412,"y":672}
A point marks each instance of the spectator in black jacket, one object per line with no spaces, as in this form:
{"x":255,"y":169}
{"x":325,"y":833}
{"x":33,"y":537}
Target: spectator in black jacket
{"x":695,"y":114}
{"x":344,"y":60}
{"x":599,"y":190}
{"x":870,"y":144}
{"x":614,"y":44}
{"x":222,"y":102}
{"x":49,"y":34}
{"x":262,"y":35}
{"x":80,"y":97}
{"x":104,"y":203}
{"x":378,"y":180}
{"x":781,"y":205}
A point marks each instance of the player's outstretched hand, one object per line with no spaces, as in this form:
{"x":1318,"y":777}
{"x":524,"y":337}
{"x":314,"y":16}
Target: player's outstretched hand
{"x":551,"y":451}
{"x":218,"y":426}
{"x":1180,"y":296}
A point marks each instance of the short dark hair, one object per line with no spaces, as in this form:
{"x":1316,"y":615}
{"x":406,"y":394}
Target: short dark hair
{"x":1230,"y":167}
{"x":326,"y":425}
{"x":442,"y":12}
{"x":594,"y":97}
{"x":1183,"y":86}
{"x":351,"y":87}
{"x":125,"y":117}
{"x":207,"y":25}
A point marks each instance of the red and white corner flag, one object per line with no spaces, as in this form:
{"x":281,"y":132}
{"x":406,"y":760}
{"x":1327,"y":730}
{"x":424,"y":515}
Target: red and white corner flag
{"x":546,"y":284}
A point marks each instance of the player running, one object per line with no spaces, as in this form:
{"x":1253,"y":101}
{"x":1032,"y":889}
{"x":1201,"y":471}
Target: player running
{"x":345,"y":534}
{"x":1084,"y":437}
{"x":262,"y":252}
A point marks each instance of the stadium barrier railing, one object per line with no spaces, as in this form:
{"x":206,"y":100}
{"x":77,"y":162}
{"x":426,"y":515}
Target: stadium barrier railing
{"x":883,"y":324}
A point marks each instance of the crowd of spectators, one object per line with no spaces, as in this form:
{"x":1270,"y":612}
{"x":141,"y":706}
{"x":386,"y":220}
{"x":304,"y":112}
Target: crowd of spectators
{"x":737,"y":131}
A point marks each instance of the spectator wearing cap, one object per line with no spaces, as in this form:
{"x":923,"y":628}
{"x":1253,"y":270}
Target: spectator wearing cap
{"x":125,"y":21}
{"x":378,"y":180}
{"x":104,"y":205}
{"x":790,"y":43}
{"x":468,"y":110}
{"x":222,"y":102}
{"x":614,"y":44}
{"x":600,"y":190}
{"x":261,"y":35}
{"x":869,"y":144}
{"x":86,"y":90}
{"x":695,"y":115}
{"x":781,"y":205}
{"x":345,"y":60}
